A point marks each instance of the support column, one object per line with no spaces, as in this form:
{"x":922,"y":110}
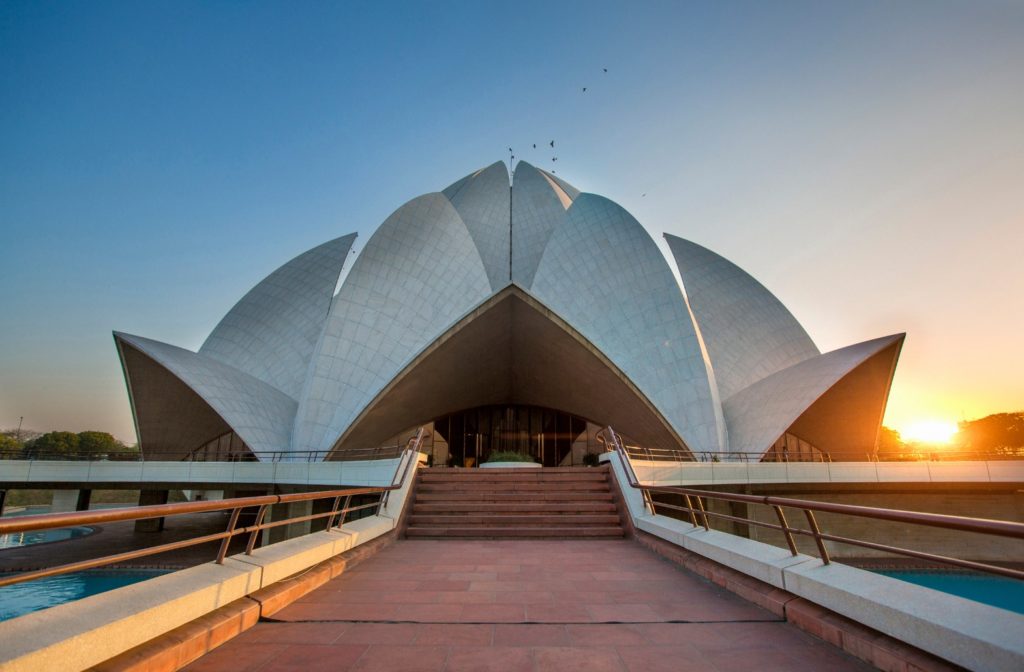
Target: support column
{"x":149,"y":498}
{"x":283,"y":511}
{"x":70,"y":500}
{"x":3,"y":499}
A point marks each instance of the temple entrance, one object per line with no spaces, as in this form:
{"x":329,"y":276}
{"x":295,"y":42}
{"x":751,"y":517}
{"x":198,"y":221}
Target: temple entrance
{"x":552,"y":438}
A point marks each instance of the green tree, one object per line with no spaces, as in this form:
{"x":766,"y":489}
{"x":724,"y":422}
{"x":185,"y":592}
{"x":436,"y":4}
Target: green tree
{"x":890,"y":444}
{"x":98,"y":443}
{"x":53,"y":443}
{"x":998,"y":433}
{"x":9,"y":446}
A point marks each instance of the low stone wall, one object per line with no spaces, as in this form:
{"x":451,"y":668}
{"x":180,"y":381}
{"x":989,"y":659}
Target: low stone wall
{"x":960,"y":631}
{"x":998,"y":505}
{"x":95,"y":629}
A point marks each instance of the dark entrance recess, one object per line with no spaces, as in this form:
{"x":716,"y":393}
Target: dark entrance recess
{"x":553,"y":438}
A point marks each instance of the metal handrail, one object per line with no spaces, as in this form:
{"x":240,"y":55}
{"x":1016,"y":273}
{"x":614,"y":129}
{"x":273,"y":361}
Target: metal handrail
{"x":924,"y":455}
{"x":699,"y":515}
{"x":378,"y":452}
{"x":339,"y":511}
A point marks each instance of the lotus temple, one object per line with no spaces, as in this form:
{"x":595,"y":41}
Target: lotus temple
{"x":508,"y":313}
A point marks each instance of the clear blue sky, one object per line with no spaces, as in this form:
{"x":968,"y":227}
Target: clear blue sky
{"x":864,"y":160}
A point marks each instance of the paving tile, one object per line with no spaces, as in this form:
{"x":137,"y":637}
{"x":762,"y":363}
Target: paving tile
{"x":577,"y":659}
{"x":680,"y":658}
{"x":292,"y":633}
{"x":389,"y":658}
{"x":455,"y":634}
{"x":315,"y":658}
{"x":622,"y":613}
{"x":558,"y":613}
{"x":429,"y":613}
{"x":600,"y":634}
{"x":471,"y":615}
{"x":236,"y":658}
{"x":529,"y":634}
{"x":379,"y":633}
{"x":490,"y":659}
{"x":493,"y":613}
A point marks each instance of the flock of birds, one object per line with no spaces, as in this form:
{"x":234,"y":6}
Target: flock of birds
{"x":554,"y":159}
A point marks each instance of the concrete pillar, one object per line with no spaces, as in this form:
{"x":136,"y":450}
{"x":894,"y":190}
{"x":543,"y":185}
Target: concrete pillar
{"x":149,"y":498}
{"x":204,"y":495}
{"x":70,"y":500}
{"x":283,"y":511}
{"x":3,"y":499}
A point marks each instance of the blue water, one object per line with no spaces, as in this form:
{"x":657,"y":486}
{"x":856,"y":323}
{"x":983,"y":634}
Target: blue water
{"x":19,"y":539}
{"x":997,"y":591}
{"x":23,"y":598}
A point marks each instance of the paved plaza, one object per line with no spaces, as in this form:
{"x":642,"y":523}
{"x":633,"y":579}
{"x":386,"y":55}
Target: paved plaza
{"x":526,"y":605}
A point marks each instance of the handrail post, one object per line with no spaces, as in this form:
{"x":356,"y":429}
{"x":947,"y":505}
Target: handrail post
{"x":693,"y":513}
{"x":703,"y":514}
{"x":344,"y":511}
{"x":256,"y":529}
{"x":816,"y":531}
{"x":334,"y":512}
{"x":231,"y":532}
{"x":786,"y":530}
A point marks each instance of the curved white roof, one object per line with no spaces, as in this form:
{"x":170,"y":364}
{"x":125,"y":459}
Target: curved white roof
{"x":290,"y":368}
{"x":759,"y":414}
{"x":260,"y":414}
{"x":623,"y":297}
{"x":271,"y":332}
{"x":537,"y":210}
{"x":416,"y":276}
{"x":749,"y":334}
{"x":482,"y":201}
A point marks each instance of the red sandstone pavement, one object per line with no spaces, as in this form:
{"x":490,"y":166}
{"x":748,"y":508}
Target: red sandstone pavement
{"x":512,"y":606}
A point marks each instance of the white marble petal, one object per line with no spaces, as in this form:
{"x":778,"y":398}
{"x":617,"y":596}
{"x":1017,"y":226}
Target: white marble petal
{"x":482,"y":200}
{"x":758,"y":415}
{"x":260,"y":414}
{"x":416,"y":276}
{"x":749,"y":334}
{"x":602,"y":273}
{"x":271,"y":332}
{"x":538,"y":208}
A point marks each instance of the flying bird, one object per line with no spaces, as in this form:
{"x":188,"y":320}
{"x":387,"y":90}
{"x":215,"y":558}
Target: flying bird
{"x":552,"y":143}
{"x":584,"y":89}
{"x":554,"y":158}
{"x":535,"y":145}
{"x":605,"y":69}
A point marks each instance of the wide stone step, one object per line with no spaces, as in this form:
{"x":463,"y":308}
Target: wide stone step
{"x":547,"y":507}
{"x":534,"y":476}
{"x":523,"y":520}
{"x":501,"y":532}
{"x":433,"y":488}
{"x":543,"y":496}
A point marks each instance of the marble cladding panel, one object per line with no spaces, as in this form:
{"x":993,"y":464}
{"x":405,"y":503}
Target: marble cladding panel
{"x":418,"y":274}
{"x":272,"y":331}
{"x":749,"y":334}
{"x":260,"y":414}
{"x":603,"y":274}
{"x":759,"y":414}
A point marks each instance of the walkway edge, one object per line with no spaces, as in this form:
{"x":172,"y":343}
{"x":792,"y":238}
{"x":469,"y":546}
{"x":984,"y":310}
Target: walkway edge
{"x":961,"y":631}
{"x":95,"y":629}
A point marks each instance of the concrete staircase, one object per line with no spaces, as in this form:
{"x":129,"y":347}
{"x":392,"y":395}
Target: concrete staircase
{"x":563,"y":503}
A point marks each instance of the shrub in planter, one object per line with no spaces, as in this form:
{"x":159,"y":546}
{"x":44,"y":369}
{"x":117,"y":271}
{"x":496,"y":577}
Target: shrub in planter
{"x":508,"y":456}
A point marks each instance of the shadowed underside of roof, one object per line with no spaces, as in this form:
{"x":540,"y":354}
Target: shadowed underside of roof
{"x":510,"y":350}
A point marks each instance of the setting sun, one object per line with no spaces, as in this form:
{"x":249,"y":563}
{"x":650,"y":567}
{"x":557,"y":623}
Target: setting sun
{"x":930,"y":431}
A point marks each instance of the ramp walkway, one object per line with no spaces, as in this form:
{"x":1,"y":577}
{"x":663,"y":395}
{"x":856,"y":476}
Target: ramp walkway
{"x":530,"y":605}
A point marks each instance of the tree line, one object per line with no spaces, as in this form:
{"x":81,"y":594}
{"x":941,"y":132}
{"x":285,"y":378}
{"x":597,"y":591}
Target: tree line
{"x":91,"y":444}
{"x":999,"y":434}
